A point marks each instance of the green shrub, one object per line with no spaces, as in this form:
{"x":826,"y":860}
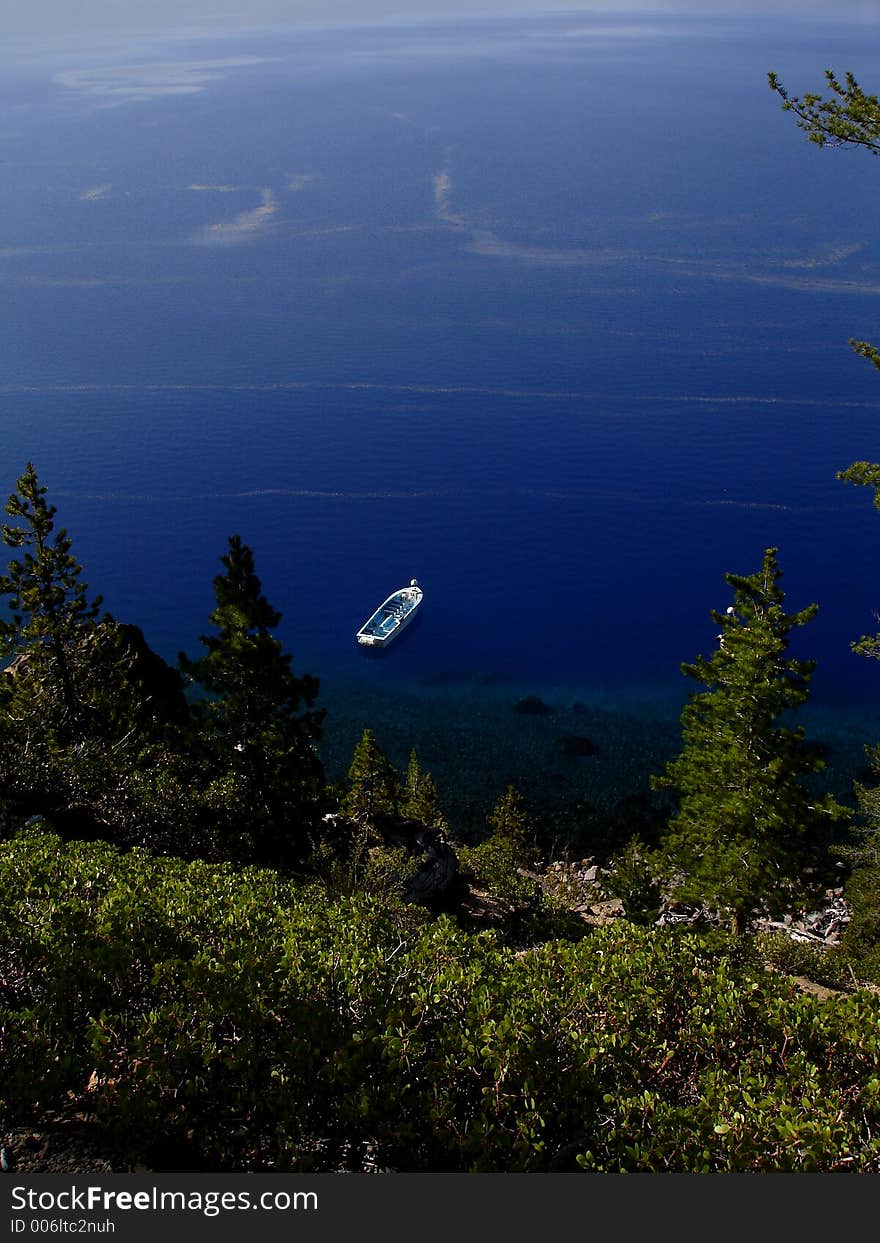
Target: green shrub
{"x":270,"y":1028}
{"x":861,"y":940}
{"x":494,"y":867}
{"x":632,"y":879}
{"x":829,"y":967}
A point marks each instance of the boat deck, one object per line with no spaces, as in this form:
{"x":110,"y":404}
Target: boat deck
{"x":391,"y":616}
{"x":382,"y":623}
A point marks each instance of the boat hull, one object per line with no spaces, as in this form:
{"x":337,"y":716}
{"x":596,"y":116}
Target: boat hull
{"x":390,"y":619}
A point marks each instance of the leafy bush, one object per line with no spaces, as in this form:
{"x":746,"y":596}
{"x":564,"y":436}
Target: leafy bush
{"x":494,"y":866}
{"x":861,"y":941}
{"x":271,"y":1029}
{"x":632,"y":879}
{"x":830,"y":967}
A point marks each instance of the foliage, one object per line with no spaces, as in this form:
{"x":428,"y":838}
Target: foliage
{"x":50,"y":608}
{"x":373,"y":785}
{"x":513,"y":828}
{"x":383,"y":873}
{"x":860,"y":945}
{"x":848,"y":117}
{"x":265,"y":1028}
{"x":498,"y":864}
{"x":865,"y":475}
{"x":832,"y":968}
{"x":259,"y":728}
{"x":360,"y":862}
{"x":861,"y":939}
{"x":739,"y":837}
{"x":83,"y":696}
{"x":419,"y":797}
{"x":493,"y":867}
{"x":632,"y":878}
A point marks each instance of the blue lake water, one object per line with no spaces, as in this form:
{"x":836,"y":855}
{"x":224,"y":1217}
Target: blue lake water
{"x":550,"y":314}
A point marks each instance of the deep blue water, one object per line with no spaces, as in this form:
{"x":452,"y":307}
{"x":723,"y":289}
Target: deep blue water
{"x":551,"y":315}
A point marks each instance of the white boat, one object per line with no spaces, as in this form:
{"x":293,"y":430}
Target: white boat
{"x":392,"y":616}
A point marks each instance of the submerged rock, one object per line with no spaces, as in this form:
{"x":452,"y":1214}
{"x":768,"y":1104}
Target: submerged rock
{"x":532,"y":705}
{"x":576,"y":744}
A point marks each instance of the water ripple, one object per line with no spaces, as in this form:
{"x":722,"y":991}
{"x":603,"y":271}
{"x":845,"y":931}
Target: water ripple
{"x":441,"y":390}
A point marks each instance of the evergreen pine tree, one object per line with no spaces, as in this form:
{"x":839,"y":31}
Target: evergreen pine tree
{"x":861,"y":940}
{"x":738,"y":841}
{"x":51,"y":612}
{"x":865,"y":475}
{"x":259,"y":725}
{"x":631,"y":878}
{"x":420,"y":796}
{"x":512,"y":827}
{"x":373,"y":785}
{"x":850,"y":117}
{"x":82,"y":695}
{"x":847,"y":117}
{"x":495,"y":864}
